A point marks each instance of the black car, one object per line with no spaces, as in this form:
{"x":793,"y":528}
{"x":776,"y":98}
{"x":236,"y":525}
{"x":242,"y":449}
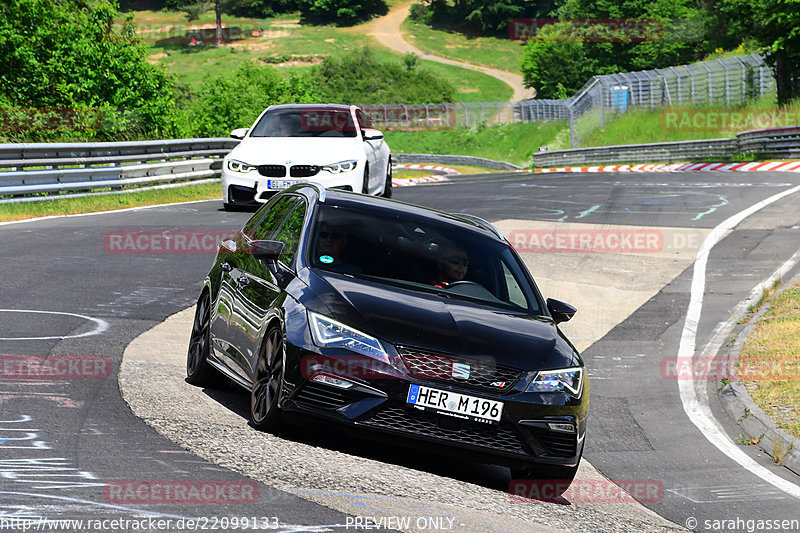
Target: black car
{"x":410,"y":323}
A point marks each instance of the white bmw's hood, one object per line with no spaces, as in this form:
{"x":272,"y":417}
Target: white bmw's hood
{"x":298,"y":150}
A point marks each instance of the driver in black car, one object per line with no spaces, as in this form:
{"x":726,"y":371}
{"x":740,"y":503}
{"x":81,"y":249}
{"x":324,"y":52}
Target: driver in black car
{"x":451,"y":265}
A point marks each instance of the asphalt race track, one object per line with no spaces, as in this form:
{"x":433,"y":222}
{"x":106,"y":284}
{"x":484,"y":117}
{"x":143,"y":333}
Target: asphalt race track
{"x":70,"y":289}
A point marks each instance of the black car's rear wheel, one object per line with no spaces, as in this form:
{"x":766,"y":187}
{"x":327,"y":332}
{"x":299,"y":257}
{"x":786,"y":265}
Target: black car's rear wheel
{"x":198,"y":371}
{"x":267,"y":381}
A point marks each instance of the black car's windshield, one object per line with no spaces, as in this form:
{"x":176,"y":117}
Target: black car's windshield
{"x":419,"y":254}
{"x":305,"y":122}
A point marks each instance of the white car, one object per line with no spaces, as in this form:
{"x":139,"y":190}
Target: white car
{"x":329,"y":144}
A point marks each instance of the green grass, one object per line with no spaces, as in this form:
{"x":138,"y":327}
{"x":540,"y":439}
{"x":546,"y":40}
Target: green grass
{"x":513,"y":143}
{"x":90,"y":204}
{"x":770,"y":360}
{"x":283,"y":36}
{"x":681,"y":124}
{"x":494,"y":52}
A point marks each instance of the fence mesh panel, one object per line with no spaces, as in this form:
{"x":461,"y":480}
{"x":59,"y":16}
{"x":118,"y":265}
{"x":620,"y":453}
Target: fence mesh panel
{"x":726,"y":82}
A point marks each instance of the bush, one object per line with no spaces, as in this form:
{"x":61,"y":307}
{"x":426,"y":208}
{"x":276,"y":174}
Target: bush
{"x":340,"y":12}
{"x":234,"y":101}
{"x":362,"y":78}
{"x":68,"y":55}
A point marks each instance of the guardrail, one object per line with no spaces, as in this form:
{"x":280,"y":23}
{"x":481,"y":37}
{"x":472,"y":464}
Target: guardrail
{"x":780,"y":143}
{"x":28,"y":168}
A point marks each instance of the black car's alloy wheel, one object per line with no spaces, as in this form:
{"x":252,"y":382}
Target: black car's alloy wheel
{"x":267,"y":381}
{"x":198,"y":371}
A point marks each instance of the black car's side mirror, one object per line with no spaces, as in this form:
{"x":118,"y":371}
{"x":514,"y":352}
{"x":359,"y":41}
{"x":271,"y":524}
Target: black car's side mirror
{"x":561,"y":311}
{"x":265,"y":250}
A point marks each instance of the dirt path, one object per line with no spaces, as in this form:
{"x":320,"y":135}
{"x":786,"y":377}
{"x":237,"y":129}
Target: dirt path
{"x":387,"y":31}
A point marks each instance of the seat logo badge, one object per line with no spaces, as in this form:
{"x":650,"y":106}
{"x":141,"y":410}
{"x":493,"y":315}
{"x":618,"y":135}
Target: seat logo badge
{"x":460,"y":371}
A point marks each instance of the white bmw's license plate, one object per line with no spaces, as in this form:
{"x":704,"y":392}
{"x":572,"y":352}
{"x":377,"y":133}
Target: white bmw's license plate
{"x":279,"y":184}
{"x":455,"y":404}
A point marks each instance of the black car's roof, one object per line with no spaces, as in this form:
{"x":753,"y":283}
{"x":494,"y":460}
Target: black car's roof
{"x":394,"y":207}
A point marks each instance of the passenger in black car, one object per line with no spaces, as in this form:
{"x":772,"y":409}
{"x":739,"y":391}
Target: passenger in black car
{"x":451,"y":264}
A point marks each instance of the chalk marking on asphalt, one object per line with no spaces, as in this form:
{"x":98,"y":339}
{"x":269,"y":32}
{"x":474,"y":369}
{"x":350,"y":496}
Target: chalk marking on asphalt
{"x":700,"y":413}
{"x":98,"y":504}
{"x":100,"y":325}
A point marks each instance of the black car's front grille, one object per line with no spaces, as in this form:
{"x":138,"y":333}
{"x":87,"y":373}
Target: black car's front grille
{"x":323,"y":396}
{"x":484,"y":374}
{"x":496,"y":437}
{"x":558,"y":444}
{"x":303,"y":171}
{"x":272,"y":171}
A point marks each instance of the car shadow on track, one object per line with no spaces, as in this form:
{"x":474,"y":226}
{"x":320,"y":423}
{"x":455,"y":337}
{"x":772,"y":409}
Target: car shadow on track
{"x":489,"y":476}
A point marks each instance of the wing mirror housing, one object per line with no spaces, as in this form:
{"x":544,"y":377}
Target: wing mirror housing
{"x":561,"y":311}
{"x":265,"y":250}
{"x":372,"y":135}
{"x":239,"y":133}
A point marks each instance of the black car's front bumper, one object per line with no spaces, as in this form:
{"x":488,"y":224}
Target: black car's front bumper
{"x":524,"y":435}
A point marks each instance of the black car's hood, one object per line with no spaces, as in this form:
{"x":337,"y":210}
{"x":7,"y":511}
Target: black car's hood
{"x":447,"y":325}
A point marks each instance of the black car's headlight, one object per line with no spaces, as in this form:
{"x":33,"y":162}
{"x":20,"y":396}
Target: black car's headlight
{"x":341,"y":166}
{"x":238,"y":166}
{"x":569,"y":380}
{"x":330,"y":333}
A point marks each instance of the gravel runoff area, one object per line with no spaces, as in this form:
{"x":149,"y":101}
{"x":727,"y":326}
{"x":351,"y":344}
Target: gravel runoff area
{"x":354,"y":476}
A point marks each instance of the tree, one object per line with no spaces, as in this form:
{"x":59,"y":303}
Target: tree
{"x":775,"y":26}
{"x":340,"y":12}
{"x":556,"y":67}
{"x":68,"y":54}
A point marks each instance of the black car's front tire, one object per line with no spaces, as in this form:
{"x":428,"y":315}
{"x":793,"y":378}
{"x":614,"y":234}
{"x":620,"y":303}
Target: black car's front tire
{"x":198,"y":371}
{"x":265,"y":414}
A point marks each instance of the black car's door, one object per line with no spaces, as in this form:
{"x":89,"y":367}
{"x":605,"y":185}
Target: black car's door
{"x":260,"y":284}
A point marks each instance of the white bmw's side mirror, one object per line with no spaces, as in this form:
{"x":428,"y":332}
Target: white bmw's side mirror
{"x":372,"y":135}
{"x":239,"y":133}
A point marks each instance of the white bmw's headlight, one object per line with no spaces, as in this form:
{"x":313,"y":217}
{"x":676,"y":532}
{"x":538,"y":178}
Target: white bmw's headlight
{"x":333,"y":334}
{"x":341,"y":166}
{"x":238,"y":166}
{"x":569,"y":380}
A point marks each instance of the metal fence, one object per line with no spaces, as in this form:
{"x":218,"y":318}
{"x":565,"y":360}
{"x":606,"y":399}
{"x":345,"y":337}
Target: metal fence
{"x":727,"y":82}
{"x":777,"y":143}
{"x":35,"y":168}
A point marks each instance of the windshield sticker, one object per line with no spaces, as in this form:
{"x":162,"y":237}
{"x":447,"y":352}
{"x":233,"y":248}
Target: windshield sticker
{"x":326,"y":259}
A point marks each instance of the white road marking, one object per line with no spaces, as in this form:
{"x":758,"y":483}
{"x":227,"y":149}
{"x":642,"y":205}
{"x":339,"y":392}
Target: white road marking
{"x":100,"y":325}
{"x":698,"y":411}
